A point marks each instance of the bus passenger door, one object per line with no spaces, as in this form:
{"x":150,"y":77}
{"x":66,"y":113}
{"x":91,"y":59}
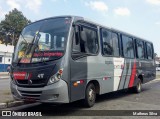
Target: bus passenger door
{"x":85,"y":44}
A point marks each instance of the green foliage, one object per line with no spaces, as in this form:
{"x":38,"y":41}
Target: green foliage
{"x":13,"y":24}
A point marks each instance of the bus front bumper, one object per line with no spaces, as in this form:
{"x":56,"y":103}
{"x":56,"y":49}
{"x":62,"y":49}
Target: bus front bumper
{"x":54,"y":93}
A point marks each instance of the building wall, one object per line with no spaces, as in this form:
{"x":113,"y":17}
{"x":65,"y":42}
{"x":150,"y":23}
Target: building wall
{"x":5,"y":56}
{"x":8,"y":48}
{"x":3,"y":67}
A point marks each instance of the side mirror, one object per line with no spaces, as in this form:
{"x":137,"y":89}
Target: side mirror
{"x":77,"y":37}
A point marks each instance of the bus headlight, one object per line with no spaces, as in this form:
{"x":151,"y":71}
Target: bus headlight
{"x":56,"y":77}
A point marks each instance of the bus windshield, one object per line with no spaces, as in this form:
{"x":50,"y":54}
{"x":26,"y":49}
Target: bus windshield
{"x":42,"y":41}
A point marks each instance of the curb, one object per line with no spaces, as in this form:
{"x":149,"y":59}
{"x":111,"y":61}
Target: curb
{"x":3,"y":105}
{"x":3,"y":73}
{"x":156,"y":79}
{"x":4,"y":77}
{"x":11,"y":104}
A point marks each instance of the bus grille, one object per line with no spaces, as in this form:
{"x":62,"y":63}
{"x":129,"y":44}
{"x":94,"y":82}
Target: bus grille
{"x":35,"y":83}
{"x":32,"y":94}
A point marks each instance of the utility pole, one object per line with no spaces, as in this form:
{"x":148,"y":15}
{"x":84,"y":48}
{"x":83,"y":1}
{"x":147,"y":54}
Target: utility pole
{"x":4,"y":61}
{"x":13,"y":39}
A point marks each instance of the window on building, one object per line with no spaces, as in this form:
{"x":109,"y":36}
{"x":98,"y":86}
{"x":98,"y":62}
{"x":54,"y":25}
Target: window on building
{"x":140,"y":49}
{"x":1,"y":59}
{"x":128,"y":47}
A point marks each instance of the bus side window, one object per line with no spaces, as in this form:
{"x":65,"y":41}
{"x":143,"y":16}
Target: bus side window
{"x":115,"y":44}
{"x":110,"y":43}
{"x":140,"y":49}
{"x":107,"y":43}
{"x":128,"y":47}
{"x":88,"y":41}
{"x":149,"y":51}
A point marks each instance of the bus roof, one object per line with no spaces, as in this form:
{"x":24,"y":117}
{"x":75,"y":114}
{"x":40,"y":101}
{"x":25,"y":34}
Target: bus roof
{"x":94,"y":23}
{"x":116,"y":30}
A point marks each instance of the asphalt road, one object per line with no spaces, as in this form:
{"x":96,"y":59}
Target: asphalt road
{"x":148,"y":99}
{"x":4,"y":84}
{"x":158,"y":73}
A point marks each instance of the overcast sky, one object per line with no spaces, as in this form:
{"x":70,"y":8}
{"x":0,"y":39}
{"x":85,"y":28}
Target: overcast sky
{"x":138,"y":17}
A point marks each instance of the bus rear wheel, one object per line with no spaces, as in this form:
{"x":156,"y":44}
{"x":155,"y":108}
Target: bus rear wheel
{"x":138,"y":87}
{"x":90,"y":95}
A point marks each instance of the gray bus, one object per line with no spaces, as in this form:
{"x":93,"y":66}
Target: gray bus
{"x":68,"y":58}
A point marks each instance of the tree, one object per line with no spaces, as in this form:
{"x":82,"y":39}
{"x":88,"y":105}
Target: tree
{"x":156,"y":56}
{"x":13,"y":24}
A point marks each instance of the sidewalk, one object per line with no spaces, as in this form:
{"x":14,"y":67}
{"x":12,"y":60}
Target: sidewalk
{"x":4,"y":75}
{"x":6,"y":99}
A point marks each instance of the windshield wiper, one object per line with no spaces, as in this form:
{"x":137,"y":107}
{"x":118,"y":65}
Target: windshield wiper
{"x":29,"y":46}
{"x":26,"y":43}
{"x":35,"y":45}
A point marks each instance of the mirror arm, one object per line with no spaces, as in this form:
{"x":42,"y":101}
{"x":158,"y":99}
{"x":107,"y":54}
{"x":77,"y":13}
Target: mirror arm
{"x":77,"y":35}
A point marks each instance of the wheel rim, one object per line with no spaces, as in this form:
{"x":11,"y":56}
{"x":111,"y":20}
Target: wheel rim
{"x":139,"y":86}
{"x":91,"y":95}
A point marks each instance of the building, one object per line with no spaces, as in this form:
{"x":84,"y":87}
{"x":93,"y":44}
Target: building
{"x":5,"y":56}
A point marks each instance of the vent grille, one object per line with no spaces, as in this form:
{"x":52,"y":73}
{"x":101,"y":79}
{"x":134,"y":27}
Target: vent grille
{"x":31,"y":94}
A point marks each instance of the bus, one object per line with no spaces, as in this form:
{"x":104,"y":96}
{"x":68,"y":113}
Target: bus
{"x":69,"y":58}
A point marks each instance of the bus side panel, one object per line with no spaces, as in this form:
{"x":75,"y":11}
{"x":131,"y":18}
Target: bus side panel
{"x":130,"y":73}
{"x":119,"y":70}
{"x":127,"y":77}
{"x":111,"y":73}
{"x":123,"y":76}
{"x":78,"y":73}
{"x":101,"y":69}
{"x":143,"y":69}
{"x":147,"y":67}
{"x":91,"y":68}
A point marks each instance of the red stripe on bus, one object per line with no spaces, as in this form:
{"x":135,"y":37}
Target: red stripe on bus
{"x":132,"y":75}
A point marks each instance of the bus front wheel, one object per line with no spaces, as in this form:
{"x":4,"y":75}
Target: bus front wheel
{"x":90,"y":95}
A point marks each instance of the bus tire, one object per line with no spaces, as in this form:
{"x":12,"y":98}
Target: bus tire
{"x":90,"y":95}
{"x":138,"y":87}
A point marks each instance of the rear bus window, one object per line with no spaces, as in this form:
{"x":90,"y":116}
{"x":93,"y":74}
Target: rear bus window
{"x":149,"y":51}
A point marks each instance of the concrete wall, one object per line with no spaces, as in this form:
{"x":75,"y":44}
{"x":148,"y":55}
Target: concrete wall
{"x":8,"y":48}
{"x":5,"y":56}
